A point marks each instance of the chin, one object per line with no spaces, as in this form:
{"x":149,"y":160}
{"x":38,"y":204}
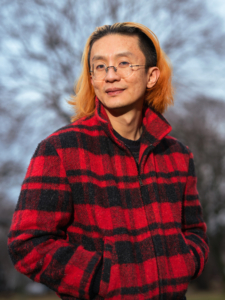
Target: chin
{"x":113,"y":103}
{"x":115,"y":106}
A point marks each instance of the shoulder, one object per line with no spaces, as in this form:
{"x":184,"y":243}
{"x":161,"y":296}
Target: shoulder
{"x":175,"y":145}
{"x":68,"y":136}
{"x":174,"y":149}
{"x":80,"y":125}
{"x":170,"y":144}
{"x":176,"y":154}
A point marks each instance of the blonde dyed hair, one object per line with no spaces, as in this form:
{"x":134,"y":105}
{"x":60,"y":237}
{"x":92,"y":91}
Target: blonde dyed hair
{"x":160,"y":96}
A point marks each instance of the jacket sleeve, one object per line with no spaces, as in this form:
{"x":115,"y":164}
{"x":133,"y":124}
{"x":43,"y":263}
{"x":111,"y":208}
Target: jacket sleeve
{"x":193,"y":226}
{"x":38,"y":242}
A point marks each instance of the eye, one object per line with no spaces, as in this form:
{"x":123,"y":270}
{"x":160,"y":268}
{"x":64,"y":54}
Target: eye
{"x":100,"y":67}
{"x":123,"y":64}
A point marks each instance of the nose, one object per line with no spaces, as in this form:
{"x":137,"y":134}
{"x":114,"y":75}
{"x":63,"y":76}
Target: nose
{"x":111,"y":74}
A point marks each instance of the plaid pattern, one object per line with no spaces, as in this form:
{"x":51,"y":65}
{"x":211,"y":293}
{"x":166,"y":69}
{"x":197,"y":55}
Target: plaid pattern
{"x":84,"y":200}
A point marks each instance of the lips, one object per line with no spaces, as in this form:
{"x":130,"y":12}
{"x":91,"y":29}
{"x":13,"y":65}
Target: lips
{"x":114,"y":91}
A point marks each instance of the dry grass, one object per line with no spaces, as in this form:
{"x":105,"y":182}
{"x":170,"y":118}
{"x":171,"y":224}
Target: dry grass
{"x":28,"y":297}
{"x":205,"y":296}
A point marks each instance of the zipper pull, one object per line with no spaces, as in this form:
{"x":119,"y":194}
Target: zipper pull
{"x":140,"y":181}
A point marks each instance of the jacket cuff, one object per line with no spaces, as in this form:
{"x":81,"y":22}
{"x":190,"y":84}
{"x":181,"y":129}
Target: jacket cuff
{"x":198,"y":262}
{"x":81,"y":283}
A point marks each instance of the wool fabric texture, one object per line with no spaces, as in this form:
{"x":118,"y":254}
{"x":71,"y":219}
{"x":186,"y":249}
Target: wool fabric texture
{"x":84,"y":201}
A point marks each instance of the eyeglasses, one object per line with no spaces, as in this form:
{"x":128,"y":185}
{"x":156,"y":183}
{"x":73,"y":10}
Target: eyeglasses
{"x":124,"y":69}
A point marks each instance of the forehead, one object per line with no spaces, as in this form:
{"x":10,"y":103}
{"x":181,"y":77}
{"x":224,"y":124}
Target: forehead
{"x":113,"y":45}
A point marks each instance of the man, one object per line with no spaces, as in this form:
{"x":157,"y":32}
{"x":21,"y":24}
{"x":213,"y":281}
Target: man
{"x":109,"y":206}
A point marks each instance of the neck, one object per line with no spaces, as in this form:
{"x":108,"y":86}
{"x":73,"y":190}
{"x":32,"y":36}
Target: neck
{"x":128,"y":124}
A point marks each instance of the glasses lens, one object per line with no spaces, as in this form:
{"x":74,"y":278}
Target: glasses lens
{"x":99,"y":71}
{"x":124,"y":70}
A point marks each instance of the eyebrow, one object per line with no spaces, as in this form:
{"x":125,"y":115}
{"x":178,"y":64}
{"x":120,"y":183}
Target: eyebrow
{"x":127,"y":53}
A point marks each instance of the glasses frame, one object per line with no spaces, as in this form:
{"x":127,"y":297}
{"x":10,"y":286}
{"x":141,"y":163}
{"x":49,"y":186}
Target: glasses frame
{"x":115,"y":70}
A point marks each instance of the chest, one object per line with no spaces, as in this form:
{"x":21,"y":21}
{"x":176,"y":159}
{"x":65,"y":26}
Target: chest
{"x":110,"y":190}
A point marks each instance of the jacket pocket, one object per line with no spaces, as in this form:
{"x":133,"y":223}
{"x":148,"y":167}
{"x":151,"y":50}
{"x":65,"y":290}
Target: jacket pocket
{"x":106,"y":270}
{"x":190,"y":261}
{"x":176,"y":266}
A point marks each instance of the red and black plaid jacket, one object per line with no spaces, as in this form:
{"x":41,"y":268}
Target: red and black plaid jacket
{"x":84,"y":200}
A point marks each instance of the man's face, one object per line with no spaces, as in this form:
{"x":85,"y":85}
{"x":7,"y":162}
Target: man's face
{"x":116,"y":93}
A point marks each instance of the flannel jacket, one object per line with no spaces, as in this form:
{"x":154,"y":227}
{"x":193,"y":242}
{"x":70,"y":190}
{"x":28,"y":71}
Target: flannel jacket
{"x":85,"y":201}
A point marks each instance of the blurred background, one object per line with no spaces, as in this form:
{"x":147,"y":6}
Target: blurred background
{"x":41,"y":45}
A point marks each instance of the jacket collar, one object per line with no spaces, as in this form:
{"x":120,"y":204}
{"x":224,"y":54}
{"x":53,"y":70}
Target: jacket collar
{"x":155,"y":126}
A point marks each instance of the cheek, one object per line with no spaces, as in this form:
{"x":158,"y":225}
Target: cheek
{"x":99,"y":91}
{"x":139,"y":83}
{"x":96,"y":87}
{"x":138,"y":88}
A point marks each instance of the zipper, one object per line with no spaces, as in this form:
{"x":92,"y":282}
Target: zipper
{"x":140,"y":181}
{"x":139,"y":176}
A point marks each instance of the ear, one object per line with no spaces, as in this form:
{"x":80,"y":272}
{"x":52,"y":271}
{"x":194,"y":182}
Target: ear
{"x":152,"y":76}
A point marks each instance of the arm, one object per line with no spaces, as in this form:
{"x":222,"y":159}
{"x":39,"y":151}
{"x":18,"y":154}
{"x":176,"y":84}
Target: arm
{"x":193,"y":226}
{"x":38,"y":242}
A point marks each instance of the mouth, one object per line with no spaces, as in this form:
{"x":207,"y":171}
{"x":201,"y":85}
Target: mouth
{"x":114,"y":91}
